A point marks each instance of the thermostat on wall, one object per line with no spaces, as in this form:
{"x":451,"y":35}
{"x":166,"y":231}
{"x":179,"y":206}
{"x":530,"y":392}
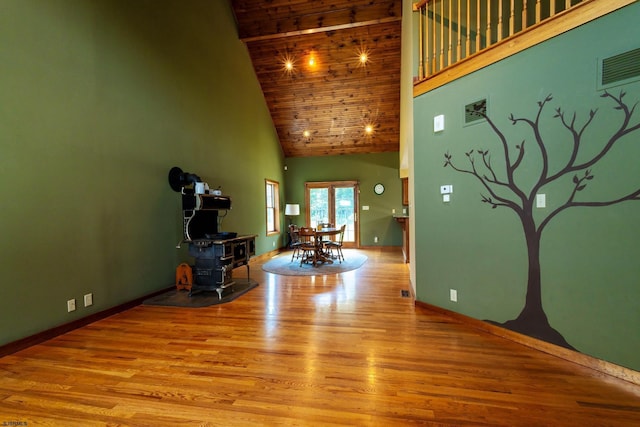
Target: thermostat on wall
{"x":446,"y":189}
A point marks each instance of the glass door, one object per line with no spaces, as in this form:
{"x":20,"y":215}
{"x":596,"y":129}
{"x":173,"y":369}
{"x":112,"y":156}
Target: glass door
{"x":334,"y":202}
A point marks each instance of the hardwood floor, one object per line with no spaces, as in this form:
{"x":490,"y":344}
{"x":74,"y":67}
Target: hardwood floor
{"x":325,"y":350}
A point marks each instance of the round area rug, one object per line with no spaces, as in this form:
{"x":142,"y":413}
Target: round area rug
{"x":282,"y":264}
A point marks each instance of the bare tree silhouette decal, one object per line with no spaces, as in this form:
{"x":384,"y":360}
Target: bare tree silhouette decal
{"x":532,"y":320}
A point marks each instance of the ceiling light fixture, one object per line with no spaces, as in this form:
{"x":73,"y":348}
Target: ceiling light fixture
{"x":363,"y":56}
{"x":370,"y":123}
{"x":288,"y":64}
{"x":313,"y":60}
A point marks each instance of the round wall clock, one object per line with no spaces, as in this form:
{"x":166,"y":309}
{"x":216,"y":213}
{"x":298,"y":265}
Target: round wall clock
{"x":378,"y":189}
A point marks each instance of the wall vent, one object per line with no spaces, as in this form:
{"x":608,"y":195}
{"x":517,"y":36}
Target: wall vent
{"x":474,"y":112}
{"x":619,"y":68}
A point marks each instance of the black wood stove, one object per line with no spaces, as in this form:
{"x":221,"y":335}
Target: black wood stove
{"x":216,"y":252}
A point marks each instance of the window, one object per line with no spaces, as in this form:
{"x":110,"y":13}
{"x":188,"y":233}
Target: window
{"x":272,"y":192}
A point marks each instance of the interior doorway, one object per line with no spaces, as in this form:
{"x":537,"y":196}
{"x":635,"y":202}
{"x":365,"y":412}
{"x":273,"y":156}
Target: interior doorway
{"x":335,"y":202}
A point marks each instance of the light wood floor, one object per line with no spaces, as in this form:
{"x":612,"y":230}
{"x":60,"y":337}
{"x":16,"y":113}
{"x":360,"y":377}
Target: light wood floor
{"x":326,"y":350}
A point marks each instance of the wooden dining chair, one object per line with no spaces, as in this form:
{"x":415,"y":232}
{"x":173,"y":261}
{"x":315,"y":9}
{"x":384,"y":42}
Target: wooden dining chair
{"x":307,"y":245}
{"x":336,"y":245}
{"x":322,"y":226}
{"x":294,"y":237}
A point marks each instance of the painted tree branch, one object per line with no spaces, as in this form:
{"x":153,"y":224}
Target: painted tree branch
{"x":485,"y":182}
{"x":635,"y":195}
{"x":510,"y":167}
{"x":623,"y":130}
{"x":535,"y":127}
{"x":580,"y":182}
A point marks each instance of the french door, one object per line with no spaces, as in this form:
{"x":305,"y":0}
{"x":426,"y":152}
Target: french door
{"x":335,"y":202}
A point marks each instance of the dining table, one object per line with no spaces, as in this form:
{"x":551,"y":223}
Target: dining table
{"x":320,"y":254}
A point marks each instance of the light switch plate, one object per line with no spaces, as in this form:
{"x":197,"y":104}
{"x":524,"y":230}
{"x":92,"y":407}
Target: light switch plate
{"x":438,"y":123}
{"x":446,"y":198}
{"x":365,"y":208}
{"x":541,"y":201}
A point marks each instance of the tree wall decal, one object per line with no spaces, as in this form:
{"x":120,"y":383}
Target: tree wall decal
{"x":532,"y":320}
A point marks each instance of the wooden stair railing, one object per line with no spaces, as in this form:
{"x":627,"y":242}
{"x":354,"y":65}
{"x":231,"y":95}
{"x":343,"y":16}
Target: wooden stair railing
{"x":452,"y":32}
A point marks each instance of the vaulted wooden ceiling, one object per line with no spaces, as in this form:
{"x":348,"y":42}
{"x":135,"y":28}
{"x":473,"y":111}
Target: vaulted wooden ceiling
{"x":323,"y":109}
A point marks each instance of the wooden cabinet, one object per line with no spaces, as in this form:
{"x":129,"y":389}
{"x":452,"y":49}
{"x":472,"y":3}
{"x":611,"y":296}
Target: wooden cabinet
{"x":404,"y":223}
{"x":405,"y":191}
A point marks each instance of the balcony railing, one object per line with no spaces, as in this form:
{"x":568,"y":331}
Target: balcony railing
{"x":452,"y":30}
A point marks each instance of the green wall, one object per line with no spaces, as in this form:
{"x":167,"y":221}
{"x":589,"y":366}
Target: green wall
{"x":589,"y":255}
{"x":98,"y":100}
{"x":367,"y":169}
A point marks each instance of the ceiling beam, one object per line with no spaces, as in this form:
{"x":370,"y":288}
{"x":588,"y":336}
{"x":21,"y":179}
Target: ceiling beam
{"x":321,"y":29}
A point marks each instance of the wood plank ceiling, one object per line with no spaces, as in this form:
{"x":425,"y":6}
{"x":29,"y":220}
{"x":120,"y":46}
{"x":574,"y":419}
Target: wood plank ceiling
{"x":324,"y":109}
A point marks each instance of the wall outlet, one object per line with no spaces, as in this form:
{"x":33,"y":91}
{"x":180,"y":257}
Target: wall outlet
{"x":453,"y":295}
{"x":71,"y":305}
{"x":88,"y":300}
{"x":375,"y":239}
{"x":274,"y":244}
{"x":365,"y":208}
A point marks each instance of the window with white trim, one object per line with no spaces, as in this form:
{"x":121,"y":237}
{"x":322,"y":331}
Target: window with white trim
{"x":272,"y":192}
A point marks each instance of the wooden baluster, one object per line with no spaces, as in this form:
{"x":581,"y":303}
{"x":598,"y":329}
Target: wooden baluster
{"x":434,"y":41}
{"x":468,"y":41}
{"x":512,"y":18}
{"x":524,"y":14}
{"x":478,"y":44}
{"x":552,"y":8}
{"x":442,"y":45}
{"x":567,"y":4}
{"x":500,"y":24}
{"x":488,"y":33}
{"x":425,"y":50}
{"x":422,"y":22}
{"x":459,"y":44}
{"x":538,"y":12}
{"x":425,"y":28}
{"x":450,"y":53}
